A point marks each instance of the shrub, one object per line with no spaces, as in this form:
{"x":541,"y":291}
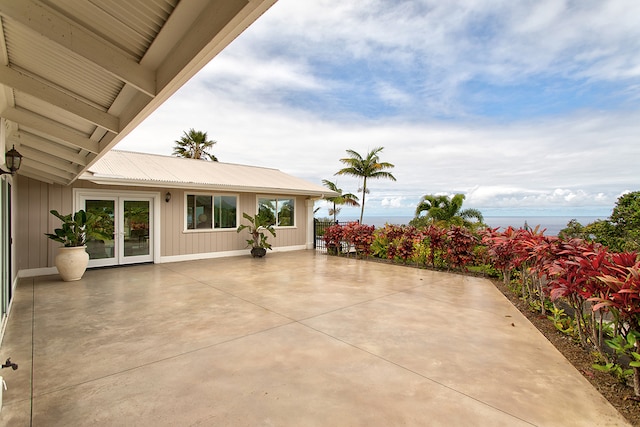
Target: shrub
{"x":333,"y":237}
{"x":435,"y":238}
{"x":460,"y":247}
{"x":359,"y":236}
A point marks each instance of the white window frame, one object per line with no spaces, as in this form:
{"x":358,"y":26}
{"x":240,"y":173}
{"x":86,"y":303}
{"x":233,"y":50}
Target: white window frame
{"x":213,"y":228}
{"x":279,"y":197}
{"x":80,"y":194}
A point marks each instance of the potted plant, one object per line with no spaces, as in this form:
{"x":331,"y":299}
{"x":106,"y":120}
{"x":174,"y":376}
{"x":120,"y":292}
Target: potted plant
{"x":72,"y":259}
{"x":257,"y":227}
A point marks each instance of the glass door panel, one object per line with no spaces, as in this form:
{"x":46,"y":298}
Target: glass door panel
{"x":101,"y":248}
{"x":128,"y":223}
{"x":136,"y":227}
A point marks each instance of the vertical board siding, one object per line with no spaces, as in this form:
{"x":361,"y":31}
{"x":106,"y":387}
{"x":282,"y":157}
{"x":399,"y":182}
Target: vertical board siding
{"x":36,"y":199}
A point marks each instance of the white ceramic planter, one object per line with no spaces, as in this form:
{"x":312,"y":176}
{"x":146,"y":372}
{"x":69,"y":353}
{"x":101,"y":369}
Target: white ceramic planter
{"x":72,"y":262}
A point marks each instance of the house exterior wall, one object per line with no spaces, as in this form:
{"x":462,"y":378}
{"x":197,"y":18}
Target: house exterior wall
{"x":35,"y":199}
{"x":176,"y":242}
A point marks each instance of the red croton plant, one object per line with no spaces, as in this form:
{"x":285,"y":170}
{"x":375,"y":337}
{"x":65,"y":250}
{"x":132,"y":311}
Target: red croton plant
{"x":460,"y":250}
{"x":502,"y":250}
{"x":354,"y":235}
{"x":359,"y":236}
{"x":436,"y":239}
{"x":619,"y":294}
{"x":402,"y":240}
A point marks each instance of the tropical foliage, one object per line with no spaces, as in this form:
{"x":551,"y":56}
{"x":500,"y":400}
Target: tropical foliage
{"x":367,"y":167}
{"x":446,"y":211}
{"x":257,"y":226}
{"x":77,"y":228}
{"x":194,"y":145}
{"x":620,"y":232}
{"x":342,"y":198}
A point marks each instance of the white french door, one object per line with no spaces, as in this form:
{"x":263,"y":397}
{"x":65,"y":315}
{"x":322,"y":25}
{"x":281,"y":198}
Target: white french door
{"x":127,"y":225}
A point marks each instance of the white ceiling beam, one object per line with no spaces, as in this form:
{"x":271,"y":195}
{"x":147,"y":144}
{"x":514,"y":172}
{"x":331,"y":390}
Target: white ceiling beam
{"x":26,"y":139}
{"x":46,"y":169}
{"x":79,"y":40}
{"x":49,"y":127}
{"x":34,"y":173}
{"x":46,"y":159}
{"x":31,"y":86}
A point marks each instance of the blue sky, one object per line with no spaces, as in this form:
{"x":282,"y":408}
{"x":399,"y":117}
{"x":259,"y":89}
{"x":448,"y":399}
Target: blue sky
{"x":527,"y":107}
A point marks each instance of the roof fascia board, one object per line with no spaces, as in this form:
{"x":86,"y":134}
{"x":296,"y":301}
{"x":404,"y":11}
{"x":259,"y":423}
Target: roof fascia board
{"x":111,"y":180}
{"x":34,"y":87}
{"x":206,"y":39}
{"x":75,"y":38}
{"x":204,"y":34}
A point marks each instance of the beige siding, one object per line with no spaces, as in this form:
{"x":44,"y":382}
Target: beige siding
{"x":36,"y":199}
{"x":176,"y":241}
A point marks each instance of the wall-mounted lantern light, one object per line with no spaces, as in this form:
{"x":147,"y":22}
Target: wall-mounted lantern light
{"x":13,"y":160}
{"x":167,"y":197}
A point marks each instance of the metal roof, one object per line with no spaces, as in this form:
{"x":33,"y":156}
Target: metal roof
{"x":151,"y":170}
{"x":76,"y":76}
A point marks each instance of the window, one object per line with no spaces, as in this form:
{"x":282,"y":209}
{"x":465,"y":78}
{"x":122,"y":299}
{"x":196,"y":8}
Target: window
{"x":278,"y":211}
{"x":208,"y":212}
{"x":225,"y":211}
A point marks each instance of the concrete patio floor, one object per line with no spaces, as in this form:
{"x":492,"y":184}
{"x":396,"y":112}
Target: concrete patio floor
{"x":293,"y":339}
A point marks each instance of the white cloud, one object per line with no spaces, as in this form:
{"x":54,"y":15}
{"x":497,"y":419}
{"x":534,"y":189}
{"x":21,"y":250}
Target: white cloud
{"x":311,"y":79}
{"x":393,"y":202}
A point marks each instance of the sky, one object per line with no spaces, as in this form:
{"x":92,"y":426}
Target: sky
{"x":526,"y":107}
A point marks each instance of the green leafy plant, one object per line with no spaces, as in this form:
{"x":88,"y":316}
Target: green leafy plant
{"x":563,"y":322}
{"x":257,"y":227}
{"x":622,"y":347}
{"x":626,"y":347}
{"x":379,"y":244}
{"x":76,"y":229}
{"x":614,"y":369}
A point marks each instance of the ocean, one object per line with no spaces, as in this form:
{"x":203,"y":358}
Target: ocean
{"x":552,"y":224}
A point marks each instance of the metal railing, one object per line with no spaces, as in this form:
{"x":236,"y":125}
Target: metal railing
{"x":318,"y":232}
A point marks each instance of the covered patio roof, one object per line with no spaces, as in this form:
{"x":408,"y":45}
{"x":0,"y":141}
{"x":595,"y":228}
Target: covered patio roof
{"x":78,"y":76}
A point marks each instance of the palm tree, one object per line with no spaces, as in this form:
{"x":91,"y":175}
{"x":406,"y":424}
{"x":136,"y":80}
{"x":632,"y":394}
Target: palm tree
{"x":341,"y":199}
{"x":367,"y":167}
{"x":447,"y":210}
{"x":194,"y":145}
